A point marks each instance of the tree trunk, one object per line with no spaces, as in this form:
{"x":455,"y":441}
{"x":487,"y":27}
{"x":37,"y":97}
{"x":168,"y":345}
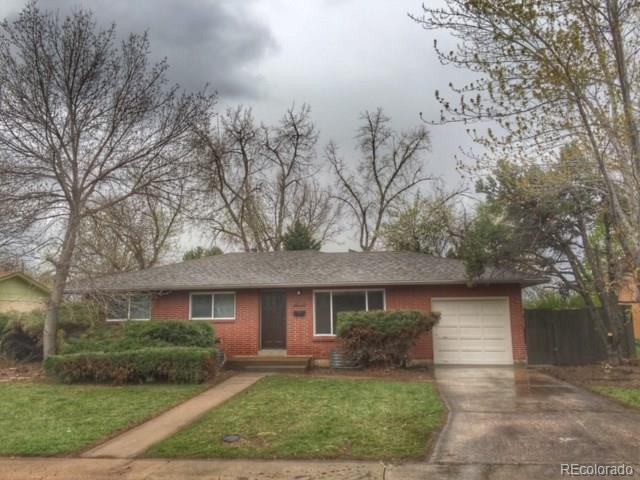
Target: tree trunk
{"x":615,"y":332}
{"x":63,"y":267}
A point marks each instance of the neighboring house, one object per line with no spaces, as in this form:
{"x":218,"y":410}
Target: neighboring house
{"x":287,"y":302}
{"x":627,"y":295}
{"x":21,"y":293}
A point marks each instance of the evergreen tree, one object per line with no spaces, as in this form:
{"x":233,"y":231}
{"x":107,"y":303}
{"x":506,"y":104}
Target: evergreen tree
{"x":298,"y":237}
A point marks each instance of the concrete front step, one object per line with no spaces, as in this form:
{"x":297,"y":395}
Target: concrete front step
{"x":259,"y":363}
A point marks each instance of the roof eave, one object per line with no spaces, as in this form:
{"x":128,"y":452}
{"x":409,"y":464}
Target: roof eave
{"x":527,"y":282}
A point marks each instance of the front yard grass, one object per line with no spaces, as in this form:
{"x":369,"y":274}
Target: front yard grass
{"x":630,"y":396}
{"x":44,"y":419}
{"x":305,"y":418}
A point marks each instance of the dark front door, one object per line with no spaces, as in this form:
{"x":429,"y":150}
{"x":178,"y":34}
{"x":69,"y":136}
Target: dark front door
{"x":273,"y":317}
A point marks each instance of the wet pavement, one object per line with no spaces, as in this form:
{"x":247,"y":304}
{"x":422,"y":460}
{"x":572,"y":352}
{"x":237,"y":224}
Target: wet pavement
{"x":504,"y":415}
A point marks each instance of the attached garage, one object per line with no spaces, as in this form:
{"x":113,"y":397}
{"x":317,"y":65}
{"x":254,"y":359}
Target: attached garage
{"x":472,"y":331}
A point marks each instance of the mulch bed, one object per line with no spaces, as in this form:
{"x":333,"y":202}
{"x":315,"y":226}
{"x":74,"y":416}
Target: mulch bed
{"x":412,"y":374}
{"x":626,"y":375}
{"x":20,"y":372}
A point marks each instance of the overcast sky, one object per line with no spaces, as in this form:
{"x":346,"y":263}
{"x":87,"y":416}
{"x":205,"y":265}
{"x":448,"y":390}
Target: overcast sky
{"x":340,"y":56}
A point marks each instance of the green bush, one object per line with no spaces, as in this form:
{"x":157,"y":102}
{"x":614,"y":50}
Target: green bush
{"x":177,"y":333}
{"x":169,"y":364}
{"x":21,"y":337}
{"x":94,"y":342}
{"x":21,"y":332}
{"x":382,"y":337}
{"x":544,"y":298}
{"x":4,"y":320}
{"x":137,"y":335}
{"x":19,"y":344}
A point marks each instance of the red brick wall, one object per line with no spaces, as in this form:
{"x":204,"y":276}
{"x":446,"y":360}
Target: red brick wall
{"x":171,"y":306}
{"x":237,"y":337}
{"x":241,"y":336}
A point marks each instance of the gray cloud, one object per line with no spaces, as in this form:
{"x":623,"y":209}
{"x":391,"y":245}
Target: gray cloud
{"x":340,"y":56}
{"x":217,"y":42}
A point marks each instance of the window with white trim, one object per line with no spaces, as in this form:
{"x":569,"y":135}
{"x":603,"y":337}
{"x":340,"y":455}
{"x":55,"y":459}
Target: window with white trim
{"x":129,"y":307}
{"x":328,"y":303}
{"x":213,"y":306}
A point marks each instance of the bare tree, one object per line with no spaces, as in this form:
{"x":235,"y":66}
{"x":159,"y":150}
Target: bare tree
{"x":228,"y":165}
{"x":18,"y":237}
{"x":130,"y":235}
{"x":256,"y":181}
{"x":84,"y":125}
{"x":391,"y":165}
{"x":314,"y":207}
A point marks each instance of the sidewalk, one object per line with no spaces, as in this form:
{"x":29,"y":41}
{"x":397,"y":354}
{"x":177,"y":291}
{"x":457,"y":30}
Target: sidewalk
{"x":138,"y":469}
{"x":135,"y":441}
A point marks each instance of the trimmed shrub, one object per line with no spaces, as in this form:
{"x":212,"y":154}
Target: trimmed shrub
{"x":173,"y":364}
{"x":95,"y":342}
{"x":382,"y":337}
{"x":177,"y":333}
{"x":137,"y":335}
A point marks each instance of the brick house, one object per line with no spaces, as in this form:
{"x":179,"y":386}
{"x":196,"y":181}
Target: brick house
{"x":286,"y":303}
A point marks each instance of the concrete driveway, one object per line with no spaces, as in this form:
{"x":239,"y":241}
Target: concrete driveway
{"x":507,"y":415}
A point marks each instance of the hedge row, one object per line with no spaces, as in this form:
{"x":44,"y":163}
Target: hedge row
{"x":168,"y":364}
{"x":136,"y":335}
{"x":382,"y":337}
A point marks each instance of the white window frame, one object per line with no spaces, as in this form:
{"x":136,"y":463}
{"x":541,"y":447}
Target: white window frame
{"x":343,"y":290}
{"x":129,"y":319}
{"x":213,"y":294}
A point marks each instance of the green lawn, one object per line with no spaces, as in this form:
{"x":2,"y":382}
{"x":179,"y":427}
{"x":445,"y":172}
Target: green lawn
{"x":295,"y":417}
{"x":42,"y":419}
{"x":630,"y":396}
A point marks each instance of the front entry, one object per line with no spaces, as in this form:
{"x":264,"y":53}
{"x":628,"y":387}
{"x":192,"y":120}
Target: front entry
{"x":273,"y":320}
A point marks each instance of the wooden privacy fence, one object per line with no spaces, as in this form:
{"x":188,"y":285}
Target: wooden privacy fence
{"x":568,"y":337}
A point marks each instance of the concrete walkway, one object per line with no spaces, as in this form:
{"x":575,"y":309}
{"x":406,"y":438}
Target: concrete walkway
{"x":135,"y":441}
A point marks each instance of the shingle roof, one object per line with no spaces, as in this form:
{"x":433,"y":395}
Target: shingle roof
{"x":300,"y":269}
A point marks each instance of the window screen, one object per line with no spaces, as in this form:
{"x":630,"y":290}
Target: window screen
{"x":201,"y":305}
{"x":323,"y":313}
{"x":140,"y":308}
{"x":376,"y":299}
{"x":224,"y":305}
{"x":343,"y":301}
{"x":118,"y":308}
{"x":347,"y":302}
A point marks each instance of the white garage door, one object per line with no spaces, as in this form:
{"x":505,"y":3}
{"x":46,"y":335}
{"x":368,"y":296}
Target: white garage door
{"x":474,"y":331}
